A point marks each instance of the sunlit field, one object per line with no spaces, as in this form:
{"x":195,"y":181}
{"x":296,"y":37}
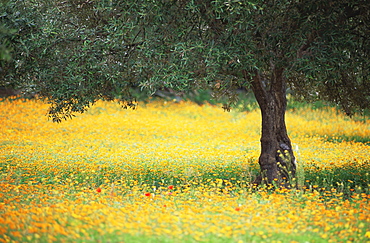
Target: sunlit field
{"x":177,"y":172}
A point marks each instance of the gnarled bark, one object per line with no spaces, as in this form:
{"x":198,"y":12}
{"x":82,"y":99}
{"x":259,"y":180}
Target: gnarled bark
{"x":277,"y":160}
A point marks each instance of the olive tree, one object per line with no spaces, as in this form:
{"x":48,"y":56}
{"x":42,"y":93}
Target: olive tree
{"x":75,"y":52}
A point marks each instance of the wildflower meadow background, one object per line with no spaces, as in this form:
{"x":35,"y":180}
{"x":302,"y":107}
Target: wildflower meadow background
{"x":177,"y":172}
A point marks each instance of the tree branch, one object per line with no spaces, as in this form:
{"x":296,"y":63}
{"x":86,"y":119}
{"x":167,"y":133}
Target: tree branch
{"x":258,"y":88}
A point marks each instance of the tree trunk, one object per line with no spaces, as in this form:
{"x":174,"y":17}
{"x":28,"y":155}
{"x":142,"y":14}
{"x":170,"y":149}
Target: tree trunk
{"x":277,"y":160}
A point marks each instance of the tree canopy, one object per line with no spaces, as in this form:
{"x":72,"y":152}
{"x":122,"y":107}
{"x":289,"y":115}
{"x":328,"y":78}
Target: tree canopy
{"x":75,"y":52}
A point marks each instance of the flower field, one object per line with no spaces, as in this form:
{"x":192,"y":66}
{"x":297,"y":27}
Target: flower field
{"x":177,"y":172}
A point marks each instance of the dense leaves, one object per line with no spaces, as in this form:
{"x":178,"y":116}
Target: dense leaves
{"x":75,"y":52}
{"x":335,"y":57}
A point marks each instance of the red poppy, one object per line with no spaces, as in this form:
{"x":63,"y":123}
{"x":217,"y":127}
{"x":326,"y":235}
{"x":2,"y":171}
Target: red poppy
{"x":237,"y":209}
{"x":147,"y":194}
{"x":170,"y":187}
{"x":98,"y":189}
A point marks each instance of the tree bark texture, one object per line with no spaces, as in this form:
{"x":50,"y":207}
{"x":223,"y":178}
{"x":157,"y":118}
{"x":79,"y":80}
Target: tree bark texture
{"x":277,"y":162}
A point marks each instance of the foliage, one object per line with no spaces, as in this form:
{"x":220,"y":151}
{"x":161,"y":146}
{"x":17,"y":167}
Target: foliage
{"x":6,"y":32}
{"x":172,"y":172}
{"x":75,"y":52}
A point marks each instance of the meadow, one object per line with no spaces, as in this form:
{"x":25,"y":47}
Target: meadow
{"x":177,"y":172}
